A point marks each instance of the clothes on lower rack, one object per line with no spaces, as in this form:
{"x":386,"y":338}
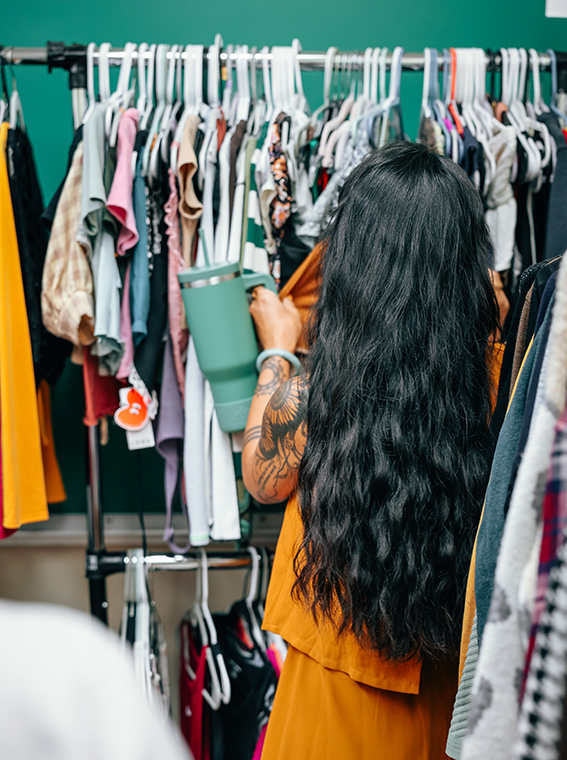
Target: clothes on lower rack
{"x":228,"y":674}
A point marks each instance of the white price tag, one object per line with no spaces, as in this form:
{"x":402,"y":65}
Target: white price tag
{"x":141,"y":439}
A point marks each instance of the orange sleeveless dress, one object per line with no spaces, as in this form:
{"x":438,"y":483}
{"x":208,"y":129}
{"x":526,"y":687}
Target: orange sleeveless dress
{"x":338,"y":701}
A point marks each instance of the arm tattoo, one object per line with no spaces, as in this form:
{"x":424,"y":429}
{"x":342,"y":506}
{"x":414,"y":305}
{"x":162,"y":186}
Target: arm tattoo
{"x":253,"y":434}
{"x":282,"y":441}
{"x":275,"y":365}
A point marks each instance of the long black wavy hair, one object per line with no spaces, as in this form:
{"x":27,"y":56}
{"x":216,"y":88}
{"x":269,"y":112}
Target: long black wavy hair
{"x":397,"y":455}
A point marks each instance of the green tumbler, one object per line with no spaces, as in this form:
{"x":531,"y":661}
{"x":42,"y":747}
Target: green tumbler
{"x":223,"y":333}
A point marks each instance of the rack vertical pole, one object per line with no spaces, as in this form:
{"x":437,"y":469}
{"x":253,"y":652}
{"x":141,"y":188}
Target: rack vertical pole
{"x":97,"y":579}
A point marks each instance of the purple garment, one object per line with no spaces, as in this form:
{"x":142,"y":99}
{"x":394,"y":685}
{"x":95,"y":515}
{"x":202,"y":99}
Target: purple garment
{"x":169,"y":443}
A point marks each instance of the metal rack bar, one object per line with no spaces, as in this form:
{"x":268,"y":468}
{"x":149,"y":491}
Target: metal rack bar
{"x":310,"y":61}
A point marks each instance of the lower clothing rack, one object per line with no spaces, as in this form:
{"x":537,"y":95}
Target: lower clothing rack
{"x":102,"y":563}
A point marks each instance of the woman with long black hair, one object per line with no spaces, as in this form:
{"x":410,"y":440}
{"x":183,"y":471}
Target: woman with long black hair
{"x":382,"y":443}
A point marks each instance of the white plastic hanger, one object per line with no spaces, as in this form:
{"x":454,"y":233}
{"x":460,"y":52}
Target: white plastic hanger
{"x":213,"y":72}
{"x":196,"y":618}
{"x":160,"y":83}
{"x":103,"y":72}
{"x":276,"y":79}
{"x":142,"y":91}
{"x":16,"y":111}
{"x":146,"y":88}
{"x":224,"y":679}
{"x":332,"y":124}
{"x":123,"y":96}
{"x":366,"y":76}
{"x":243,"y":84}
{"x":90,"y":81}
{"x":251,"y":597}
{"x":192,"y":95}
{"x":539,"y":105}
{"x":259,"y":104}
{"x":150,"y":84}
{"x":302,"y":103}
{"x":425,"y":111}
{"x":394,"y":94}
{"x":228,"y":92}
{"x":267,"y":83}
{"x":167,"y":111}
{"x":177,"y":104}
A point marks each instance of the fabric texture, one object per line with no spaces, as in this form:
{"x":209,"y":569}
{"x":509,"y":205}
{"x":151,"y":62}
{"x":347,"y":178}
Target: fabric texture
{"x":322,"y":713}
{"x":295,"y":625}
{"x":55,"y":490}
{"x":553,"y":530}
{"x":119,"y":201}
{"x":67,"y":300}
{"x":49,"y":352}
{"x":23,"y":483}
{"x":140,"y":274}
{"x":190,"y":207}
{"x":69,"y":691}
{"x":494,"y":709}
{"x":542,"y":712}
{"x":176,"y":263}
{"x":169,"y":443}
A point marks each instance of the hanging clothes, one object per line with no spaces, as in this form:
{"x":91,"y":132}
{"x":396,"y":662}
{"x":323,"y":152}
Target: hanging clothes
{"x":49,"y":352}
{"x":67,"y":300}
{"x":97,"y":234}
{"x":253,"y":682}
{"x":23,"y":483}
{"x":503,"y":645}
{"x":140,"y":272}
{"x":55,"y":490}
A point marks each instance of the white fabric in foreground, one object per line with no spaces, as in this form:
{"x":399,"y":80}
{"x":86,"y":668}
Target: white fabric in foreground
{"x":68,"y":692}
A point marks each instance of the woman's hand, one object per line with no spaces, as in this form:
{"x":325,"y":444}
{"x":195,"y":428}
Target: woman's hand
{"x":278,"y":323}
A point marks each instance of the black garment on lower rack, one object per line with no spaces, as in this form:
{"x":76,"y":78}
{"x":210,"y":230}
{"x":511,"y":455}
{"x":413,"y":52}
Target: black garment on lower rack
{"x":527,"y":279}
{"x":49,"y":352}
{"x":253,"y":683}
{"x":148,"y":354}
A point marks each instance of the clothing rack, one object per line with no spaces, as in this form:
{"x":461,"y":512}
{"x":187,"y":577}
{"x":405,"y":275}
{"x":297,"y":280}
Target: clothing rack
{"x":57,"y":55}
{"x":99,"y":562}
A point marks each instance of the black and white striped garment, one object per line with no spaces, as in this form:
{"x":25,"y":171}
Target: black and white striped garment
{"x":541,"y":713}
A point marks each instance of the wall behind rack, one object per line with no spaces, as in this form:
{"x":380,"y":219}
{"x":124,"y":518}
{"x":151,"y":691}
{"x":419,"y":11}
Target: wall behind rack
{"x":319,"y":23}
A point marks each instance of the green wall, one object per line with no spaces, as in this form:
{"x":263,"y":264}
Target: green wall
{"x":351,"y":25}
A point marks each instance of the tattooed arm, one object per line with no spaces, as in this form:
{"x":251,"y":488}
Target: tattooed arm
{"x":274,"y":438}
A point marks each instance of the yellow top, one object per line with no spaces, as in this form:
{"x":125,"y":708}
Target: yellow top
{"x":23,"y":484}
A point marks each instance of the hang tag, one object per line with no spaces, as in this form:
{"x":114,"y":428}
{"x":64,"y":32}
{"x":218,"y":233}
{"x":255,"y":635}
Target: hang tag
{"x":132,"y":416}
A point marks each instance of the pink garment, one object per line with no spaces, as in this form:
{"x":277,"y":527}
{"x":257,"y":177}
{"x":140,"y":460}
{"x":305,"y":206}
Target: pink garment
{"x":126,"y":330}
{"x":176,"y":263}
{"x":119,"y":201}
{"x":260,"y":744}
